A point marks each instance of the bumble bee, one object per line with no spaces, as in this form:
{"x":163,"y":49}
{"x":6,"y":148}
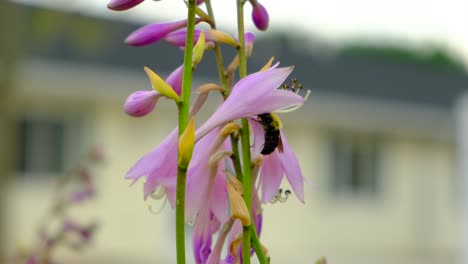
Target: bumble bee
{"x":272,"y":124}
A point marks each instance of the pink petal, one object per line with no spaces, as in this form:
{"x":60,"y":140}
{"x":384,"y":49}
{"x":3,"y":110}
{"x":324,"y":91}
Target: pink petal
{"x":258,"y":137}
{"x":246,"y":95}
{"x":278,"y":100}
{"x":154,"y":159}
{"x":292,"y":169}
{"x":218,"y":199}
{"x":271,"y":174}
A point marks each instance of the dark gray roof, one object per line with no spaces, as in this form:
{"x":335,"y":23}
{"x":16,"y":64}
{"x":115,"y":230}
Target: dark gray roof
{"x":341,"y":73}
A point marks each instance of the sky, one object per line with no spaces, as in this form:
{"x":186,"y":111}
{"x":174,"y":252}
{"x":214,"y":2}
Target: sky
{"x":417,"y":22}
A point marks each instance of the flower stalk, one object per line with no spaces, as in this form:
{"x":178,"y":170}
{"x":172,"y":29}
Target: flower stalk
{"x":184,"y":107}
{"x":218,"y":53}
{"x":245,"y":135}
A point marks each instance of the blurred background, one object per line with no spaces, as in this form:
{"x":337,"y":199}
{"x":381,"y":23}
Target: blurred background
{"x":381,"y":141}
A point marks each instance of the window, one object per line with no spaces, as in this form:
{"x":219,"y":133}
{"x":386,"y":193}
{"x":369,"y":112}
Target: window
{"x":46,"y":145}
{"x":354,"y":164}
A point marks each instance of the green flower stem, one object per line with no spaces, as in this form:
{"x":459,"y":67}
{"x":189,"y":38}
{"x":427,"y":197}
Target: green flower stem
{"x":245,"y":139}
{"x":184,"y":107}
{"x":236,"y":157}
{"x":247,"y":182}
{"x":218,"y":53}
{"x":258,"y":246}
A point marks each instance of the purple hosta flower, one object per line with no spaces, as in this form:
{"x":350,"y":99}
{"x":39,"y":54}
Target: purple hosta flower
{"x":82,"y":233}
{"x":249,"y":39}
{"x":206,"y":187}
{"x":159,"y":167}
{"x":86,"y":193}
{"x":141,"y":103}
{"x":234,"y":254}
{"x":253,"y":95}
{"x":178,"y":37}
{"x":276,"y":165}
{"x":154,"y":32}
{"x":32,"y":260}
{"x":259,"y":15}
{"x":121,"y":5}
{"x":206,"y":225}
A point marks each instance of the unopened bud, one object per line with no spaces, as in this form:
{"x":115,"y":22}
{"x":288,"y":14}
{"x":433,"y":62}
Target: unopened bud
{"x":259,"y":16}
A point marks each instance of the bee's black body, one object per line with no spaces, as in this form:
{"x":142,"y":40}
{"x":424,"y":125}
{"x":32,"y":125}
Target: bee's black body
{"x":272,"y":133}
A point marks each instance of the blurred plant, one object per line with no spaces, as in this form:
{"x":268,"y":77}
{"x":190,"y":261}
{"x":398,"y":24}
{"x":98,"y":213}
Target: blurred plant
{"x":57,"y":228}
{"x":213,"y":175}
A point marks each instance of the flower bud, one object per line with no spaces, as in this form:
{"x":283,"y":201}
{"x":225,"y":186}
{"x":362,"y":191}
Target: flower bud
{"x":161,"y":86}
{"x":154,"y":32}
{"x":259,"y":16}
{"x":249,"y":39}
{"x":186,"y":144}
{"x":141,"y":103}
{"x":121,"y":5}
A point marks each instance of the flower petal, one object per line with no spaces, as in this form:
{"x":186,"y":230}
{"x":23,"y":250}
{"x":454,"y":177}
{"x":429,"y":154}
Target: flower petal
{"x":155,"y":158}
{"x":271,"y":174}
{"x":258,"y":137}
{"x":218,"y":200}
{"x":292,"y":169}
{"x":246,"y":95}
{"x":175,"y":79}
{"x":278,"y":100}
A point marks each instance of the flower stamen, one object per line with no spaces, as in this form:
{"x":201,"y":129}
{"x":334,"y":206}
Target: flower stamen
{"x":279,"y":197}
{"x":150,"y":208}
{"x":158,"y":193}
